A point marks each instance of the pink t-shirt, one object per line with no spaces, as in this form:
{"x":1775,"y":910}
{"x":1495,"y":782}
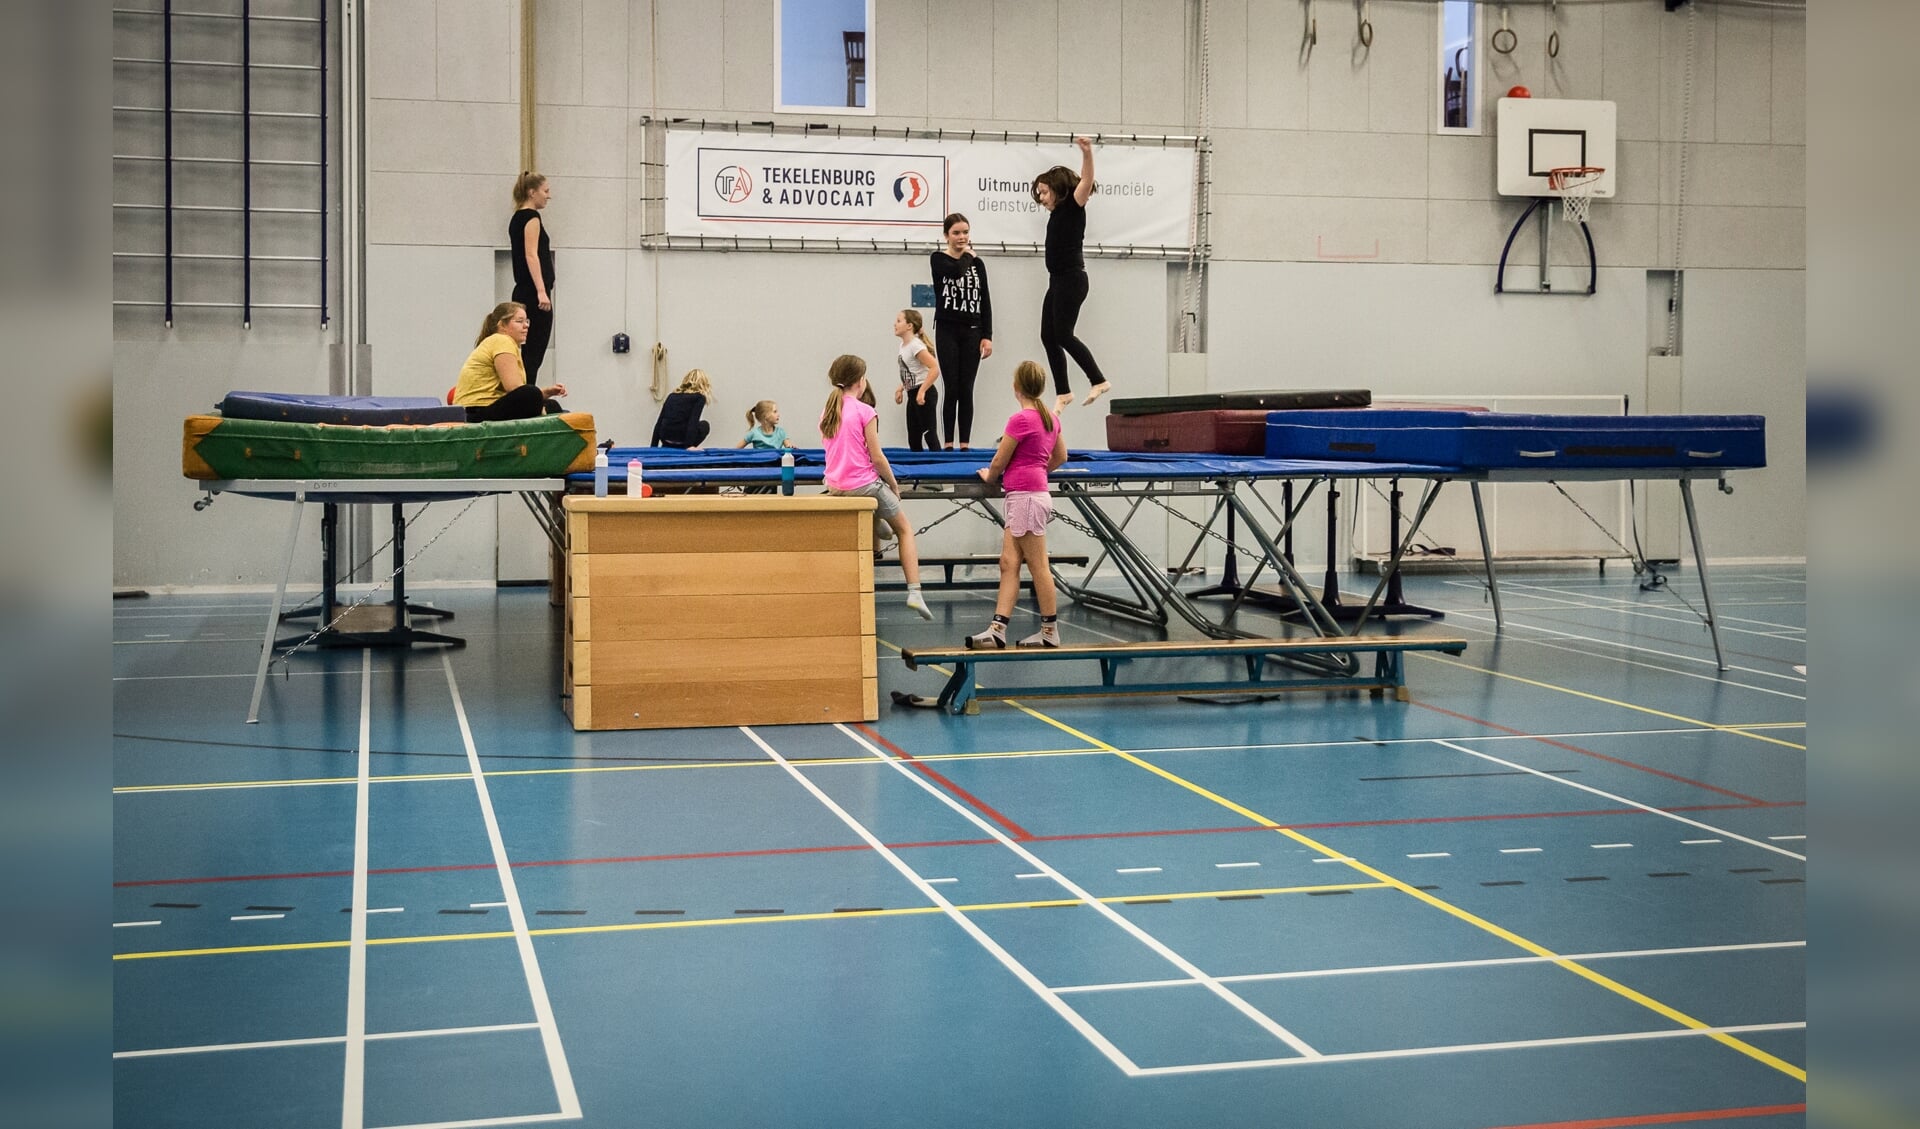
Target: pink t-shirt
{"x":849,"y":466}
{"x":1033,"y":446}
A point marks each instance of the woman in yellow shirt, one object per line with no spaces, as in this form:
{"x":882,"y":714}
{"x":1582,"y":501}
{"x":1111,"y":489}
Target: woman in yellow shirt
{"x":492,"y":385}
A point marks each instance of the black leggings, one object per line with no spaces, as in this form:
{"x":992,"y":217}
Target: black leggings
{"x":958,"y":350}
{"x":695,"y":435}
{"x":539,"y":333}
{"x":1058,"y":313}
{"x":524,"y":402}
{"x":923,"y":420}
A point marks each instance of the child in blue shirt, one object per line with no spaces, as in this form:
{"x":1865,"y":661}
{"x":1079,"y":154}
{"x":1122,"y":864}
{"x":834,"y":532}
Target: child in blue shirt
{"x":764,"y":432}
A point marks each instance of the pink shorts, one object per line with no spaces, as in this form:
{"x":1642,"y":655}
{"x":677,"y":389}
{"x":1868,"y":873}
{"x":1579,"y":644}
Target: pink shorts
{"x":1028,"y":512}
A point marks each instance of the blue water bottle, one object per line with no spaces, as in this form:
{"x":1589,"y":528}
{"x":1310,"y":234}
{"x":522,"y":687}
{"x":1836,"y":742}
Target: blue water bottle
{"x":786,"y":473}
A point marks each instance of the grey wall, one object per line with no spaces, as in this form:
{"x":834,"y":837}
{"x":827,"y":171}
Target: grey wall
{"x":1315,"y":162}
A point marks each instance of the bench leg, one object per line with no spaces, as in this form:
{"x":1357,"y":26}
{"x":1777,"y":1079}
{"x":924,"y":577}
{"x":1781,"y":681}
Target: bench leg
{"x":957,"y":697}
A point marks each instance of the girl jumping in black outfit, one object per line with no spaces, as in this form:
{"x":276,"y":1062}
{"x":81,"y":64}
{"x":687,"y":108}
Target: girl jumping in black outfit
{"x":1064,"y":195}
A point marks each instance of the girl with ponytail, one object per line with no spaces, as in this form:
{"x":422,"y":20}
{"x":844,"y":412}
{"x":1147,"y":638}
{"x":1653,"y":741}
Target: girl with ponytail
{"x":857,"y":467}
{"x":1031,"y":449}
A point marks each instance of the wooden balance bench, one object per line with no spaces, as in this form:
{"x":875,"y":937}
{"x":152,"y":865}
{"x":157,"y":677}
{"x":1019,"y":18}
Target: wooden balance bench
{"x":1309,"y":664}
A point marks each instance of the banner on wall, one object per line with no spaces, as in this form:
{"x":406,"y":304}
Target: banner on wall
{"x":785,"y":187}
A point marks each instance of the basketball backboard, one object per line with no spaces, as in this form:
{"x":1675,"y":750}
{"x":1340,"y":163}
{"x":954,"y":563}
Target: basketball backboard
{"x":1534,"y":135}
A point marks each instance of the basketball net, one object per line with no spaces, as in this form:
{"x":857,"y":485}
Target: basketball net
{"x":1575,"y":186}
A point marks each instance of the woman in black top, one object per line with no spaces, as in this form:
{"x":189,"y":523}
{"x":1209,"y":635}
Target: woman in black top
{"x":680,"y":424}
{"x":532,"y":255}
{"x":1064,"y":195}
{"x":962,"y":326}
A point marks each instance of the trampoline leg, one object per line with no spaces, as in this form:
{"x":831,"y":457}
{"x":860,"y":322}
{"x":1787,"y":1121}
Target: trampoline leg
{"x":1700,"y":563}
{"x":279,"y":598}
{"x":1486,"y":556}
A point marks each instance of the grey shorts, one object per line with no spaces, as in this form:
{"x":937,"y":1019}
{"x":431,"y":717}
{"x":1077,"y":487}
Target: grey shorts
{"x":886,"y":502}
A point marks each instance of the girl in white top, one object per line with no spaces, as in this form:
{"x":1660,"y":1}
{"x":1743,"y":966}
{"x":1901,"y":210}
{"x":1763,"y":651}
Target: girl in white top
{"x":918,"y":372}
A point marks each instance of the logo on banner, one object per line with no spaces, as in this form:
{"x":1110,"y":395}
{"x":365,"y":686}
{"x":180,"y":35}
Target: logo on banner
{"x":911,"y":189}
{"x":733,"y":184}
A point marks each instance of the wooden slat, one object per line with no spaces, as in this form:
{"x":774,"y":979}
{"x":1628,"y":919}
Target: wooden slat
{"x":699,"y":574}
{"x":749,"y":702}
{"x":785,"y":618}
{"x":1193,"y":647}
{"x":752,"y":532}
{"x":578,"y":705}
{"x":721,"y":663}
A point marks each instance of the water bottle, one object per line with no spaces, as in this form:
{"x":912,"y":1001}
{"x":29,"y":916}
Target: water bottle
{"x":786,"y":473}
{"x":633,"y":478}
{"x":600,"y":474}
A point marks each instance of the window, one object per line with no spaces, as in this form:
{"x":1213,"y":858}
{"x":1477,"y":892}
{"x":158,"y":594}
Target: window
{"x":1459,"y":69}
{"x":823,"y":56}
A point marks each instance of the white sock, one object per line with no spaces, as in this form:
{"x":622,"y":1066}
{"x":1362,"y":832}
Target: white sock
{"x":918,"y":602}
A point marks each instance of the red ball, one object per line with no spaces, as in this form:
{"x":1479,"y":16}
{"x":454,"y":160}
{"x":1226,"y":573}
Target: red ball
{"x":1519,"y":92}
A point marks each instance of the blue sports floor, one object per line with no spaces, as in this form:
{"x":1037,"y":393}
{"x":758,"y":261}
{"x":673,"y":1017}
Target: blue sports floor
{"x":1560,"y":887}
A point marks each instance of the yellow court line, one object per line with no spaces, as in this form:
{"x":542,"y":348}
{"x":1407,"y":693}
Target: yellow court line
{"x":1507,"y":935}
{"x":630,"y":927}
{"x":218,"y":785}
{"x":1613,"y":702}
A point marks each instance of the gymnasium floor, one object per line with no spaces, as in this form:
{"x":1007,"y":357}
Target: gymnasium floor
{"x":1562,"y":886}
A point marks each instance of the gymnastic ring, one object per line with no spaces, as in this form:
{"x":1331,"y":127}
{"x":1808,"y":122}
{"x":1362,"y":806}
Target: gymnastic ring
{"x":1366,"y":33}
{"x":1553,"y":46}
{"x":1512,"y":40}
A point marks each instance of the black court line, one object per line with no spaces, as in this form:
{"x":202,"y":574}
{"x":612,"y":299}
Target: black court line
{"x":174,"y":905}
{"x":658,"y":912}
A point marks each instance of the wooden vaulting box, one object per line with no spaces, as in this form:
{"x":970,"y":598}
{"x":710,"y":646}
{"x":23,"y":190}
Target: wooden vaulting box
{"x":707,"y":610}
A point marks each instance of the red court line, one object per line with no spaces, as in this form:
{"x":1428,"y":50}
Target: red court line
{"x":973,"y":801}
{"x":1669,"y":1118}
{"x":1590,"y":753}
{"x":1240,"y":827}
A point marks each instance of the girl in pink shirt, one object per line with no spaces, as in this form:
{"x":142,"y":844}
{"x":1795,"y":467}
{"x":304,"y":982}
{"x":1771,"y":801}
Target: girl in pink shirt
{"x":857,"y":467}
{"x":1032,"y":448}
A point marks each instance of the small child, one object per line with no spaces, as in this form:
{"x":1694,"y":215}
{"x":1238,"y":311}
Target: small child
{"x":918,"y":372}
{"x":764,"y":432}
{"x":857,"y":467}
{"x":1032,"y":448}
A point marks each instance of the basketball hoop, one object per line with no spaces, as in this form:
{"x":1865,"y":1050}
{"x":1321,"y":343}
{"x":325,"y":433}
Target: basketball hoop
{"x":1575,"y":185}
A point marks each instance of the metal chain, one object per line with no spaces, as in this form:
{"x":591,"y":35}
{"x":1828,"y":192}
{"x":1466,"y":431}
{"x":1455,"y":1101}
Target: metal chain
{"x":1640,"y":564}
{"x":378,"y":585}
{"x":364,"y":562}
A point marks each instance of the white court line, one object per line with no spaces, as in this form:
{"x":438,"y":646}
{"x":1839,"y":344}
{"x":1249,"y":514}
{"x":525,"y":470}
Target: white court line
{"x":1442,"y":965}
{"x":1698,"y":842}
{"x":1432,"y":855}
{"x":523,"y":940}
{"x":1471,"y":1048}
{"x":483,"y":1122}
{"x":1662,"y":614}
{"x":1232,"y":865}
{"x":1610,"y":846}
{"x":486,"y":905}
{"x":1020,"y":971}
{"x":132,"y":924}
{"x":256,"y":917}
{"x":1563,"y":781}
{"x":211,"y":1048}
{"x":195,"y":677}
{"x":353,"y":1084}
{"x":1138,"y":870}
{"x":1521,"y":850}
{"x":1193,"y":971}
{"x":1473,"y":737}
{"x":1038,"y":874}
{"x":1717,"y":679}
{"x":389,"y":909}
{"x":933,"y":881}
{"x":1340,"y":858}
{"x":1784,"y":838}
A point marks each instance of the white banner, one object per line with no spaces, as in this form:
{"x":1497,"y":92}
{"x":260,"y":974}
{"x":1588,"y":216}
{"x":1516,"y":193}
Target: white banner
{"x":892,"y":189}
